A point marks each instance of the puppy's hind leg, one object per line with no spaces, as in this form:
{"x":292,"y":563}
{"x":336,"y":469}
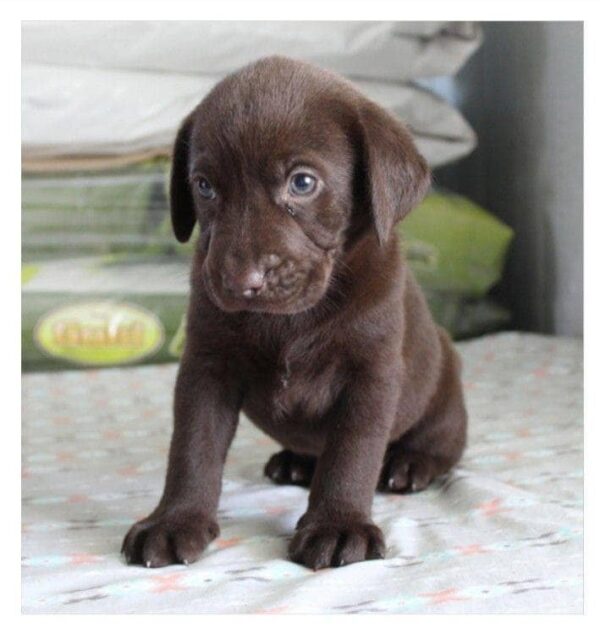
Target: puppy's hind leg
{"x":287,"y":467}
{"x":435,"y":443}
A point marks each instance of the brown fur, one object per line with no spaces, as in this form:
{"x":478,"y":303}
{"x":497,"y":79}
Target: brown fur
{"x":303,"y":314}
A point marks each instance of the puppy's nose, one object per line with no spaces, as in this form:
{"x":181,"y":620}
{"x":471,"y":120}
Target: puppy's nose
{"x":252,"y":283}
{"x":247,"y":283}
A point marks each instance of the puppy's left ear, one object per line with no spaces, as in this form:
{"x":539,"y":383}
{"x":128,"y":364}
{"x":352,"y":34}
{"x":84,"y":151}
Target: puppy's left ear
{"x":183,"y":217}
{"x":397,"y":175}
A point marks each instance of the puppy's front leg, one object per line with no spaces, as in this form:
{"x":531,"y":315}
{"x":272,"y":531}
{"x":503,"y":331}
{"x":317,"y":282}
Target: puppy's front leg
{"x":183,"y":524}
{"x":337,"y":528}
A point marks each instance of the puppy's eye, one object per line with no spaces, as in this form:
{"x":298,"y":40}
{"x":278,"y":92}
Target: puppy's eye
{"x":206,"y":189}
{"x":302,"y":184}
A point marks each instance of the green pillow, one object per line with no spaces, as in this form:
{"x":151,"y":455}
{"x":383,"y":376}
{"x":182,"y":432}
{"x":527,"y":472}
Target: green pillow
{"x":454,"y":245}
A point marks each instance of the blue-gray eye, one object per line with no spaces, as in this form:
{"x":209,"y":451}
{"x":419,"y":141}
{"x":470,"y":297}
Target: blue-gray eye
{"x":302,"y":184}
{"x":206,"y":190}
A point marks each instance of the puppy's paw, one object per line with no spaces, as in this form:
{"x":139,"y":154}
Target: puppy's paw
{"x":286,"y":467}
{"x":320,"y":544}
{"x":168,"y":539}
{"x":406,"y":472}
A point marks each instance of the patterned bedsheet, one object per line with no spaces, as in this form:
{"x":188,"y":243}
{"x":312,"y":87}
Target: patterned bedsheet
{"x":501,"y":534}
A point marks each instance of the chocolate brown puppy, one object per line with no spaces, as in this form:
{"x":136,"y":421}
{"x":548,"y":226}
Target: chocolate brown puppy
{"x":303,"y":314}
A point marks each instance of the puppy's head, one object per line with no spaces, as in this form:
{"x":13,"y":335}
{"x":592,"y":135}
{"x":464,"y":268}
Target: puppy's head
{"x":284,"y":165}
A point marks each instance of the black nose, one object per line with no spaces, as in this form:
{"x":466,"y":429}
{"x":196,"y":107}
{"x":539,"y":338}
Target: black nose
{"x":247,"y":283}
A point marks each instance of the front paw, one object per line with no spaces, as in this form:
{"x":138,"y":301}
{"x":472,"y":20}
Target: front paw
{"x":168,"y":538}
{"x":322,"y":543}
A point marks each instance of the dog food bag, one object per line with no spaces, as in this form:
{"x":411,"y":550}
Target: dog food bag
{"x":102,"y":283}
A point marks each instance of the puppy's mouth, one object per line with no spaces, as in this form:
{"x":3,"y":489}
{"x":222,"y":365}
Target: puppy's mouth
{"x":277,"y":296}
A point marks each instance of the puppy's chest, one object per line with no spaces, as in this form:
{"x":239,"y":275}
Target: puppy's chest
{"x":293,"y":385}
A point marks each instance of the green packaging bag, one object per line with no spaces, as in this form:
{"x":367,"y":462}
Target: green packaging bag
{"x":100,"y":312}
{"x":94,"y":212}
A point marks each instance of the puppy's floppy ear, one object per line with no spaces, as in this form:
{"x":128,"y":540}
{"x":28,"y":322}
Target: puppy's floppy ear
{"x":183,"y":217}
{"x":397,"y":175}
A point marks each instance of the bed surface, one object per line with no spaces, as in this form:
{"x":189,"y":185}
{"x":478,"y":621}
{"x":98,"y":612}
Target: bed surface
{"x":502,"y":534}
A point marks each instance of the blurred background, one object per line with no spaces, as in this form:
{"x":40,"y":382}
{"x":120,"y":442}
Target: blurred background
{"x":496,"y":109}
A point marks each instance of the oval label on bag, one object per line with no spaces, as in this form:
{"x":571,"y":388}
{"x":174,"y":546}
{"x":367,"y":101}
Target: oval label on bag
{"x":99,"y":333}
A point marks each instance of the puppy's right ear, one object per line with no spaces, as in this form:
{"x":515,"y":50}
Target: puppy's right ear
{"x":183,"y":217}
